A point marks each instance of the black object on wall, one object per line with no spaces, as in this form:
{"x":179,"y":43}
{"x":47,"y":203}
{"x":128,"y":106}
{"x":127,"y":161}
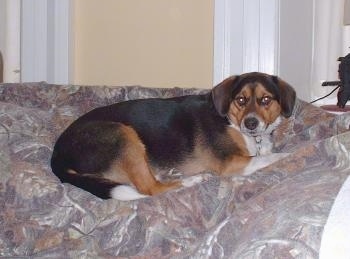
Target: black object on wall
{"x":344,"y":82}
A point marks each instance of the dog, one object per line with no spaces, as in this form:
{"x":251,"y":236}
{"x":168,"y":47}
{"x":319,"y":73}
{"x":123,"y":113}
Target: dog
{"x":117,"y":151}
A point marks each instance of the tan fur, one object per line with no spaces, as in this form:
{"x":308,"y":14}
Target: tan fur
{"x":204,"y":159}
{"x":270,"y":112}
{"x":239,"y":140}
{"x":253,"y":93}
{"x":133,"y":167}
{"x":237,"y":112}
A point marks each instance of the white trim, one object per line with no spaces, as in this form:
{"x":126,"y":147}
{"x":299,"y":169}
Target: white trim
{"x":228,"y":53}
{"x":46,"y":41}
{"x":63,"y":41}
{"x":34,"y":40}
{"x":269,"y":36}
{"x":278,"y":38}
{"x":220,"y":45}
{"x":246,"y":37}
{"x":251,"y":36}
{"x":11,"y":54}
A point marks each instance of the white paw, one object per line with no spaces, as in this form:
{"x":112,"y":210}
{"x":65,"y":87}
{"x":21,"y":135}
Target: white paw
{"x":174,"y":173}
{"x":190,"y":181}
{"x":126,"y":193}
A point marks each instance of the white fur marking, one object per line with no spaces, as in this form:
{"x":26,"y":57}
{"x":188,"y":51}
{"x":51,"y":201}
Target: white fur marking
{"x":260,"y":144}
{"x":190,"y":181}
{"x":126,"y":193}
{"x":251,"y":144}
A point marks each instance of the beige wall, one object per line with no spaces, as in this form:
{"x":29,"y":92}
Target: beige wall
{"x":151,"y":43}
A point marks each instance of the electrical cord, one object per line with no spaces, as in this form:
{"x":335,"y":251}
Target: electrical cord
{"x":325,"y":95}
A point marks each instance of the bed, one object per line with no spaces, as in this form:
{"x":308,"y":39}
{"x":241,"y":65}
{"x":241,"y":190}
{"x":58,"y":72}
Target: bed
{"x":286,"y":210}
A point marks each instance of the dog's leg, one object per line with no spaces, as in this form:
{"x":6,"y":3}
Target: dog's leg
{"x":133,"y":162}
{"x":248,"y":165}
{"x":259,"y":162}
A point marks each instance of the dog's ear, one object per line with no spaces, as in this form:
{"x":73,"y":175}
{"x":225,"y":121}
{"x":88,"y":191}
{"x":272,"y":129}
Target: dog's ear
{"x":222,"y":95}
{"x":287,"y":96}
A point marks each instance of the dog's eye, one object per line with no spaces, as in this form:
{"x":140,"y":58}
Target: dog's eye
{"x":241,"y":100}
{"x":266,"y":100}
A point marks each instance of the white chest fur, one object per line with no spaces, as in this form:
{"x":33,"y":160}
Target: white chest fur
{"x":259,"y":145}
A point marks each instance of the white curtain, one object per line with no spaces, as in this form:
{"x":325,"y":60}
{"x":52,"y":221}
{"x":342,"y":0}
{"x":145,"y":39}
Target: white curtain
{"x":331,"y":40}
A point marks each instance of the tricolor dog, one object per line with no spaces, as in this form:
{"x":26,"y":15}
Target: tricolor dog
{"x":117,"y":151}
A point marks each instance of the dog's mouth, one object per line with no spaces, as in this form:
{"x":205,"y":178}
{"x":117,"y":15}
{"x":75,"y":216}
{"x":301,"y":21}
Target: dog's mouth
{"x":259,"y":128}
{"x":252,"y":133}
{"x":254,"y":126}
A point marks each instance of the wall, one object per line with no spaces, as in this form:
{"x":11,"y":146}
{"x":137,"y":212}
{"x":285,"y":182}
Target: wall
{"x":151,"y":43}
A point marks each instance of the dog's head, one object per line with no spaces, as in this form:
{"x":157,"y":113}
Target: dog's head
{"x":254,"y":102}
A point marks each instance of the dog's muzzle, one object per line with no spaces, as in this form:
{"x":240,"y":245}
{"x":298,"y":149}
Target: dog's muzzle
{"x":251,"y":123}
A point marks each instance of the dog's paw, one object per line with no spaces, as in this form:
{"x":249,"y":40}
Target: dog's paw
{"x":174,"y":173}
{"x":126,"y":193}
{"x":193,"y":180}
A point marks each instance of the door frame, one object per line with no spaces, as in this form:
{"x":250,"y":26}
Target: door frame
{"x":246,"y":37}
{"x":46,"y":41}
{"x":11,"y":40}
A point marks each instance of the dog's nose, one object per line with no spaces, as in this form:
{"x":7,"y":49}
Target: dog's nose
{"x":251,"y":123}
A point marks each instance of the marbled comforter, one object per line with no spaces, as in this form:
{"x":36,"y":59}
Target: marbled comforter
{"x":277,"y":212}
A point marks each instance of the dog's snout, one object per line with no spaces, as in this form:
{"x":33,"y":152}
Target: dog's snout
{"x":251,"y":123}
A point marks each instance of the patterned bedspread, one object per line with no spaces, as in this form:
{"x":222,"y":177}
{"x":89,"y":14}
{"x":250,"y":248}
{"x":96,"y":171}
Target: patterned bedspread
{"x":277,"y":212}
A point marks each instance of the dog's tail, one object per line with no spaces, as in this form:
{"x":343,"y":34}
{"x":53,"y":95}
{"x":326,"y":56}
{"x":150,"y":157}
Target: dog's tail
{"x":98,"y":186}
{"x":101,"y":187}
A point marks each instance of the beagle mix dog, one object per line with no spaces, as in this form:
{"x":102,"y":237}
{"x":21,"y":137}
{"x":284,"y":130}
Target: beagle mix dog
{"x":117,"y":151}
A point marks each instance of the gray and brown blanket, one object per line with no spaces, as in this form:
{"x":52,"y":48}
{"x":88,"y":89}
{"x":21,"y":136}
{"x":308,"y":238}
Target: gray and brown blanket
{"x":277,"y":212}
